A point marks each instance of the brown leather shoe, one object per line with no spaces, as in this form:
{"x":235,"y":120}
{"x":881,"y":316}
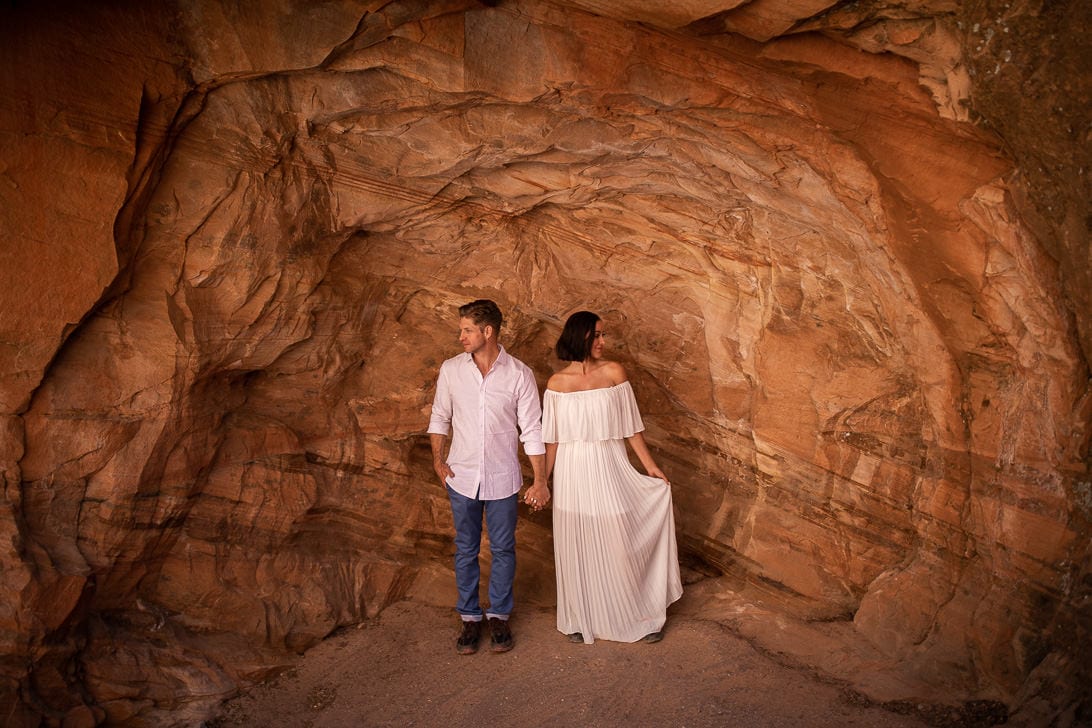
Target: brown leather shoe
{"x":501,"y":634}
{"x":467,"y":644}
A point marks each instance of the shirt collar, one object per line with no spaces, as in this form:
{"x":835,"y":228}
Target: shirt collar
{"x":502,"y":358}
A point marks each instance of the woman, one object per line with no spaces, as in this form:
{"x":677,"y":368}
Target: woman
{"x":614,"y":532}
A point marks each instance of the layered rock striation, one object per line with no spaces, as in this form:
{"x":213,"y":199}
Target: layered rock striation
{"x":235,"y":239}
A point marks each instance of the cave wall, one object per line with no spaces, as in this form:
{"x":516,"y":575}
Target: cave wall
{"x":235,"y":237}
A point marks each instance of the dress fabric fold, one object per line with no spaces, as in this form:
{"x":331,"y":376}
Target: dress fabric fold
{"x":614,"y":531}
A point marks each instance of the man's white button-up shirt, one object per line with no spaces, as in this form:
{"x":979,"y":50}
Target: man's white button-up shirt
{"x":486,"y":412}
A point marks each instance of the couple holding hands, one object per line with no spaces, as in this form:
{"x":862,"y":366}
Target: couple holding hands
{"x":614,"y":532}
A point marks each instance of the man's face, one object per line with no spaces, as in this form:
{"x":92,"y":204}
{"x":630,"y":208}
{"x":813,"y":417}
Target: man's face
{"x":471,"y":336}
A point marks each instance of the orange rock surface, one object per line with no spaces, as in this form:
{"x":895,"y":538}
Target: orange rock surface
{"x":234,"y":239}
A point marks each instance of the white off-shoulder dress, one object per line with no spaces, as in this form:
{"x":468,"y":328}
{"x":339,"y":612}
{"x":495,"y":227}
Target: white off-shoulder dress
{"x":614,"y":531}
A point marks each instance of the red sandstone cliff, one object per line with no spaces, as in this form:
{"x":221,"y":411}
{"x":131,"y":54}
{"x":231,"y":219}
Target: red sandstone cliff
{"x":233,"y":240}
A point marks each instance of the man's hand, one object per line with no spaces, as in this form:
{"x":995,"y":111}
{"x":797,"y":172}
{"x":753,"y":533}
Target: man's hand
{"x":537,"y":496}
{"x":443,"y":470}
{"x":439,"y":463}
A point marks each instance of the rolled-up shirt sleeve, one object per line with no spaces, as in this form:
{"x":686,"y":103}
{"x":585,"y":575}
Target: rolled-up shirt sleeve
{"x":529,"y":415}
{"x":440,"y":421}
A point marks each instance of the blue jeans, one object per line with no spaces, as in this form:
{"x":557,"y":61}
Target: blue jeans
{"x":500,"y":518}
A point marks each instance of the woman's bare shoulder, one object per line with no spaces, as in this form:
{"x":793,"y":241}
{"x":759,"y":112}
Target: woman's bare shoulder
{"x":560,"y":381}
{"x":614,"y":371}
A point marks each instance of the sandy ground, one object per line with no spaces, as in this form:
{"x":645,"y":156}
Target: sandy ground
{"x":401,"y":669}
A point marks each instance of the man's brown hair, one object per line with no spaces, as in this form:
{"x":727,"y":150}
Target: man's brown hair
{"x":483,"y":312}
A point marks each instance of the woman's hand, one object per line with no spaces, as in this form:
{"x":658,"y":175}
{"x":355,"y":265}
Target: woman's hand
{"x":637,"y":442}
{"x":537,"y":496}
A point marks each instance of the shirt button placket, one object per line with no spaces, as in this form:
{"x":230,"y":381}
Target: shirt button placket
{"x":481,"y":455}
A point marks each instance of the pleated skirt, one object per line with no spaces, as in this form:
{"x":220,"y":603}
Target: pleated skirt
{"x":614,"y":544}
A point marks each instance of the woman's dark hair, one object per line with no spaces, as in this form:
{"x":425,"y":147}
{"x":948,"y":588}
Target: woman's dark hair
{"x":482,"y":312}
{"x":576,"y":338}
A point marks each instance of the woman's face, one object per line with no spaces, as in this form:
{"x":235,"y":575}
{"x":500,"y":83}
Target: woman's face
{"x":597,"y":342}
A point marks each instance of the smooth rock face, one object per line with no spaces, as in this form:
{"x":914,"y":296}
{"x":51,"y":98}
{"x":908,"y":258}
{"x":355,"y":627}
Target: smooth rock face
{"x":855,"y":359}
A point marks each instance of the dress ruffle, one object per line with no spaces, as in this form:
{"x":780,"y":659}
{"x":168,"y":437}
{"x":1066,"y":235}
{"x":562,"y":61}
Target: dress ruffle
{"x":614,"y":417}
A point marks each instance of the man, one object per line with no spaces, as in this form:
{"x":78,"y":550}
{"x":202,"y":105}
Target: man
{"x":484,"y":394}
